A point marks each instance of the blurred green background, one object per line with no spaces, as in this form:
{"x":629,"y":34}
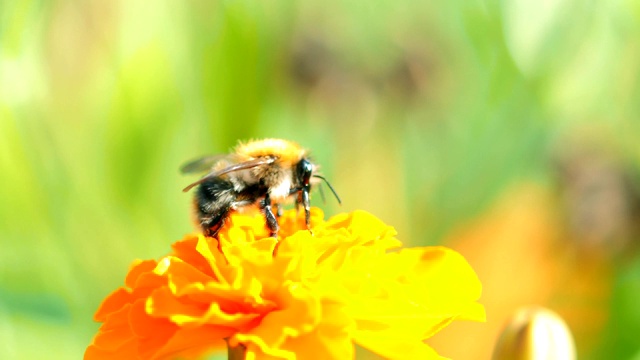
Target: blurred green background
{"x":424,"y":114}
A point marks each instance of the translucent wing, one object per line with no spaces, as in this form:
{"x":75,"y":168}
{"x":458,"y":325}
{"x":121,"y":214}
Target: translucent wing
{"x":235,"y":167}
{"x":202,"y":164}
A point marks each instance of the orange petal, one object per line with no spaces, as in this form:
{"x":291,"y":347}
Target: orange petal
{"x":193,"y":343}
{"x":138,"y":268}
{"x":112,"y":303}
{"x":145,"y":326}
{"x":187,"y":250}
{"x":128,"y":351}
{"x":114,"y":333}
{"x":181,"y":275}
{"x":162,"y":303}
{"x":217,"y":262}
{"x":246,"y":298}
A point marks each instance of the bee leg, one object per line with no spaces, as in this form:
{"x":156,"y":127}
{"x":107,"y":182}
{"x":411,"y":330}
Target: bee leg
{"x":211,"y":225}
{"x":214,"y":199}
{"x":212,"y":231}
{"x":298,"y":201}
{"x":278,"y":210}
{"x":307,"y":207}
{"x":272,"y":222}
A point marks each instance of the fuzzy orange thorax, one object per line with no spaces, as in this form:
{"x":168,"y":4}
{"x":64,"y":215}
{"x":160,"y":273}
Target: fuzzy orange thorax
{"x":287,"y":152}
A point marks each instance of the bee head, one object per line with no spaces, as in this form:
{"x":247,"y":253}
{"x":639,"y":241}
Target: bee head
{"x":303,"y":172}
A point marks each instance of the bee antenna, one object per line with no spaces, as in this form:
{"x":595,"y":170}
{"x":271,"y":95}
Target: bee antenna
{"x":330,"y":188}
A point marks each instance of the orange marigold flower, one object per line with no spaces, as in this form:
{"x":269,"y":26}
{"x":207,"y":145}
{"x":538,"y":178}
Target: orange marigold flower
{"x":307,"y":295}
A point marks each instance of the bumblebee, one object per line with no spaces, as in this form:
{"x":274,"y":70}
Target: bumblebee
{"x":267,"y":173}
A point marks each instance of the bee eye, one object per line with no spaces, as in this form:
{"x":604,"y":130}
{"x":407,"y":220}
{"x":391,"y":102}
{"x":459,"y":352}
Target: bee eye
{"x":303,"y":171}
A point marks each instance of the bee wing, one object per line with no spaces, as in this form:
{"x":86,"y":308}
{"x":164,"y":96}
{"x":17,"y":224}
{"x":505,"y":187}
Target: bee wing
{"x":202,"y":164}
{"x":235,"y":167}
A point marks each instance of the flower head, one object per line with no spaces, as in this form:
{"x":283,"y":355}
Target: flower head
{"x":303,"y":295}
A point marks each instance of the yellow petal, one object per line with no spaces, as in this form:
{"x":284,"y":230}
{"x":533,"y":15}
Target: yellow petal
{"x":300,"y":312}
{"x":330,"y":340}
{"x":395,"y":348}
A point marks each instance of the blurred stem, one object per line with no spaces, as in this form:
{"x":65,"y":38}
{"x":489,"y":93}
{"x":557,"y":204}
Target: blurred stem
{"x":235,"y":353}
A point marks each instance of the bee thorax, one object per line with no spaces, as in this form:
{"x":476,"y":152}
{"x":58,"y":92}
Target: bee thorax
{"x":280,"y":191}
